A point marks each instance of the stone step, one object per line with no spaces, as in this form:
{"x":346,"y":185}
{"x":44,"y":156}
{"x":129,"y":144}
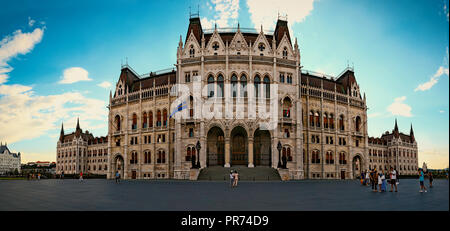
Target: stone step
{"x":259,"y":173}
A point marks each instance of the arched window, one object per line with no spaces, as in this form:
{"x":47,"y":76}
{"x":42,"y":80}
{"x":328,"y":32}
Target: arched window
{"x":150,"y":119}
{"x":134,"y":159}
{"x":191,"y":106}
{"x":188,"y":154}
{"x":287,"y":107}
{"x":285,"y":53}
{"x":161,"y":157}
{"x":342,"y":159}
{"x":134,"y":124}
{"x":193,"y":151}
{"x":243,"y":91}
{"x":315,"y":159}
{"x":317,"y":118}
{"x":144,"y":120}
{"x":341,"y":122}
{"x":191,"y":51}
{"x":288,"y":153}
{"x":267,"y":86}
{"x":357,"y":123}
{"x":147,"y":157}
{"x":325,"y":120}
{"x":210,"y":86}
{"x":117,"y":122}
{"x":158,"y":118}
{"x":331,"y":121}
{"x":257,"y":83}
{"x":284,"y":152}
{"x":234,"y":86}
{"x":165,"y":117}
{"x":311,"y":118}
{"x":220,"y":86}
{"x":329,"y":157}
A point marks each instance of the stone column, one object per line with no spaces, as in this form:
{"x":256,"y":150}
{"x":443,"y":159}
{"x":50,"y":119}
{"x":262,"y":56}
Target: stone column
{"x":250,"y":152}
{"x":227,"y":152}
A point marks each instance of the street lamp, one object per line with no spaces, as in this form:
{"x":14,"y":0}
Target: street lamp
{"x":198,"y":151}
{"x":279,"y":154}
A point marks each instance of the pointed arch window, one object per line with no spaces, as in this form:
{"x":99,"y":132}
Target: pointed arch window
{"x":165,"y":117}
{"x":331,"y":121}
{"x":341,"y":123}
{"x":191,"y":106}
{"x":311,"y":118}
{"x":191,"y":51}
{"x":158,"y":118}
{"x":234,"y":86}
{"x":325,"y":120}
{"x":257,"y":83}
{"x":134,"y":122}
{"x":150,"y":119}
{"x":188,"y":154}
{"x":117,"y":122}
{"x":220,"y":86}
{"x":267,"y":86}
{"x":144,"y":120}
{"x":285,"y":53}
{"x":315,"y":159}
{"x":210,"y":86}
{"x":317,"y":118}
{"x":357,"y":123}
{"x":243,"y":91}
{"x":287,"y":107}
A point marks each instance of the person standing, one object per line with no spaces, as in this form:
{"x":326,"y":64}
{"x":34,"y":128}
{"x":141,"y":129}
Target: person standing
{"x":380,"y":181}
{"x":81,"y":176}
{"x":393,"y":177}
{"x":117,"y":177}
{"x":236,"y":178}
{"x":231,"y":178}
{"x":383,"y":183}
{"x":421,"y":181}
{"x":374,"y":180}
{"x":62,"y":175}
{"x":430,"y":178}
{"x":39,"y":176}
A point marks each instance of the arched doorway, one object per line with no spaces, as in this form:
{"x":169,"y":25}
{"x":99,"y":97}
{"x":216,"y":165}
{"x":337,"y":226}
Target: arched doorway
{"x":262,"y":148}
{"x":118,"y":165}
{"x":215,"y":147}
{"x":357,"y":166}
{"x":239,"y":146}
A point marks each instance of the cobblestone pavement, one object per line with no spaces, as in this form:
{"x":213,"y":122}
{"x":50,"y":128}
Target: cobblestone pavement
{"x":321,"y":195}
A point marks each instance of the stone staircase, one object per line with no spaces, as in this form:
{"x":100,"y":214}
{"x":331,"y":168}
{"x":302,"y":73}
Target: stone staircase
{"x":259,"y":173}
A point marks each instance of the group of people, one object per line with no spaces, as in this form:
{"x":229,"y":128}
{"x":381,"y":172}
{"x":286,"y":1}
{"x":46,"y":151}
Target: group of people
{"x":378,"y":180}
{"x":32,"y":176}
{"x":234,"y":178}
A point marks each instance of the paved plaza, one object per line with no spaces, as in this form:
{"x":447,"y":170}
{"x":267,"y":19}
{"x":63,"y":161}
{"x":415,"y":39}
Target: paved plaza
{"x":318,"y":195}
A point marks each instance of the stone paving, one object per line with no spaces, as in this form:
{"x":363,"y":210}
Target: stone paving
{"x":172,"y":195}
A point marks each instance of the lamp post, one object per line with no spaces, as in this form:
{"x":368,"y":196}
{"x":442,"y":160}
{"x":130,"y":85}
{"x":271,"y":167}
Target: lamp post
{"x":198,"y":151}
{"x":279,"y":154}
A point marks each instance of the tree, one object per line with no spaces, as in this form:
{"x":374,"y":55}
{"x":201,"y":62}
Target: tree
{"x":16,"y":172}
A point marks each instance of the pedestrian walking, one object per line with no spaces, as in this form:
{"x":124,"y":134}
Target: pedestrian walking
{"x":362,"y":178}
{"x":430,"y":178}
{"x":373,"y":179}
{"x":380,"y":180}
{"x":421,"y":181}
{"x":393,"y":179}
{"x":39,"y":176}
{"x":383,"y":184}
{"x":231,"y":178}
{"x":81,"y":176}
{"x":236,"y":178}
{"x":62,"y":175}
{"x":367,"y":178}
{"x":117,"y":177}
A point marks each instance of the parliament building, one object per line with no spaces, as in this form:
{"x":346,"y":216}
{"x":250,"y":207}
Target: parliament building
{"x":236,"y":97}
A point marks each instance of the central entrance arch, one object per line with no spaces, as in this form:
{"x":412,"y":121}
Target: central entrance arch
{"x":118,"y":165}
{"x":262,"y":148}
{"x":357,"y":165}
{"x":239,"y":146}
{"x":215,"y":147}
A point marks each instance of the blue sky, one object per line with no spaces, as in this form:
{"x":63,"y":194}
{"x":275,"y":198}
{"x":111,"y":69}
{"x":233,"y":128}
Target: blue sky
{"x":55,"y":54}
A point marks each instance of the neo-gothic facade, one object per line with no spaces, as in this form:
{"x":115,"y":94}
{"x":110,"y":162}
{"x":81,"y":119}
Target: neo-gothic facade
{"x":9,"y":161}
{"x":321,"y":121}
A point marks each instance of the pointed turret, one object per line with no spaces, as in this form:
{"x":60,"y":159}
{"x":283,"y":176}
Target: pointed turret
{"x":61,"y":134}
{"x":396,"y":133}
{"x":78,"y":130}
{"x":411,"y":134}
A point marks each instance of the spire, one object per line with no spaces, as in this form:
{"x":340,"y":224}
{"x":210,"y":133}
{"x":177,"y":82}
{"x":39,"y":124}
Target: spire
{"x":396,"y":129}
{"x":411,"y":133}
{"x":78,"y":123}
{"x":261,"y":28}
{"x":61,"y":134}
{"x":239,"y":27}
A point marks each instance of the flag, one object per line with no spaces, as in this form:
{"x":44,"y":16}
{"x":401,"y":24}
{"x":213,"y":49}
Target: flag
{"x":180,"y":107}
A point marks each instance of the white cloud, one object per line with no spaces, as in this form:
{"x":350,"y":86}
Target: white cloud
{"x":73,"y":75}
{"x":441,"y":111}
{"x":104,"y":84}
{"x":398,"y":107}
{"x":225,"y":12}
{"x":265,"y":12}
{"x":18,"y":43}
{"x":30,"y":115}
{"x":31,"y":22}
{"x":442,"y":70}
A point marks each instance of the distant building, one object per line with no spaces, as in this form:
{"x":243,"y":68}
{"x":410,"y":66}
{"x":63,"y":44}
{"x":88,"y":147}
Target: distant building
{"x":8,"y":161}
